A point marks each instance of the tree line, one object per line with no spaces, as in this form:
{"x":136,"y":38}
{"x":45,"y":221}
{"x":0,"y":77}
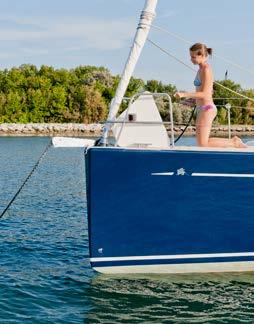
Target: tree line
{"x":82,"y":95}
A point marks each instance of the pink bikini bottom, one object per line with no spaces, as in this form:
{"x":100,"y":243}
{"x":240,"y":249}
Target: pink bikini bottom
{"x":206,"y":107}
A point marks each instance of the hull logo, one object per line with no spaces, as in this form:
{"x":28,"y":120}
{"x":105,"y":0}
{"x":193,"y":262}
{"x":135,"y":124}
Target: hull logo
{"x":180,"y":172}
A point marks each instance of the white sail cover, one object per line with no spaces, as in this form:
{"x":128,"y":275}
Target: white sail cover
{"x":146,"y":130}
{"x":146,"y":19}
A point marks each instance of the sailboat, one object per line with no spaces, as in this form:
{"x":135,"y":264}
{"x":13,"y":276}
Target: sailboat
{"x":154,"y":207}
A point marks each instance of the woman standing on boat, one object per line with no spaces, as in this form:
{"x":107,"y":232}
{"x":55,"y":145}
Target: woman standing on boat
{"x":206,"y":110}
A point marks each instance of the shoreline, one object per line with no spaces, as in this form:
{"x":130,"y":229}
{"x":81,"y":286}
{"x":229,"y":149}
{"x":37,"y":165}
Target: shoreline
{"x":95,"y":130}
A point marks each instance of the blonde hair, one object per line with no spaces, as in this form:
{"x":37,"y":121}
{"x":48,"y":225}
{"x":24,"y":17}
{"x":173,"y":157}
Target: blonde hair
{"x":201,"y":49}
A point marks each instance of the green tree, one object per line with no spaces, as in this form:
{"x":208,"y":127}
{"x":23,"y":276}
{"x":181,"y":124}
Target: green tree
{"x":223,"y":96}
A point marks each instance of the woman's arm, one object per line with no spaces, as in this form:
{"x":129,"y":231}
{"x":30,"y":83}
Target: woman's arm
{"x":194,"y":95}
{"x":205,"y":88}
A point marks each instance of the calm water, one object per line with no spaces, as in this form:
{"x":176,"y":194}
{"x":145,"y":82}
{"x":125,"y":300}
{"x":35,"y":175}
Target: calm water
{"x":45,"y":275}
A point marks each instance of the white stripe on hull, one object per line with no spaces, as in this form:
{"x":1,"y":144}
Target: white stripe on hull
{"x":163,"y":173}
{"x":170,"y":257}
{"x":227,"y":175}
{"x":204,"y":174}
{"x":180,"y":268}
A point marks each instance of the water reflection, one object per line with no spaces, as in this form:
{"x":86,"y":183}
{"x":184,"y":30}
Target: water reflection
{"x":172,"y":299}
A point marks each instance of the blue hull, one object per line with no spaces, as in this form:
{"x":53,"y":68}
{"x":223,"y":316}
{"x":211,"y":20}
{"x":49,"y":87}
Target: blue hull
{"x":170,"y":211}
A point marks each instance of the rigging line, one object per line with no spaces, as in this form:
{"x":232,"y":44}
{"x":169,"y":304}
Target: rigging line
{"x":171,"y":55}
{"x":172,"y":34}
{"x":223,"y":106}
{"x":189,"y":67}
{"x":185,"y":128}
{"x":232,"y":91}
{"x":215,"y":55}
{"x":247,"y":108}
{"x":27,"y":178}
{"x":232,"y":98}
{"x":233,"y":64}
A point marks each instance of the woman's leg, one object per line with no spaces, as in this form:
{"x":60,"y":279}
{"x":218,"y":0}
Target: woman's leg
{"x":203,"y":129}
{"x":203,"y":126}
{"x":224,"y":142}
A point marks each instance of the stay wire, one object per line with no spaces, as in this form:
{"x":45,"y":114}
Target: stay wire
{"x":189,"y":67}
{"x":215,"y":55}
{"x":27,"y":178}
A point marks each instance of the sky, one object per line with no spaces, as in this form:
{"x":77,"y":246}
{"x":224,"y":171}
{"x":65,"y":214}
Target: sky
{"x":66,"y":34}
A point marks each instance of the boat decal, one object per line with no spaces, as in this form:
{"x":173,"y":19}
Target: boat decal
{"x":180,"y":172}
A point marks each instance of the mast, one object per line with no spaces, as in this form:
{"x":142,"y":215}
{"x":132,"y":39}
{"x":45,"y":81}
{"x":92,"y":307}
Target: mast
{"x":146,"y":18}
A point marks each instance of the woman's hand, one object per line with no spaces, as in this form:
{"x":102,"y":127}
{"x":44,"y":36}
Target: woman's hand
{"x":179,"y":95}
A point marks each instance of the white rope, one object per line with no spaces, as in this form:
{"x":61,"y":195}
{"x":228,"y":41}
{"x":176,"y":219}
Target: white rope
{"x":189,"y":67}
{"x":223,"y":106}
{"x":171,"y":34}
{"x":232,"y":91}
{"x":169,"y":54}
{"x":227,"y":98}
{"x":239,"y":107}
{"x":234,"y":64}
{"x":215,"y":55}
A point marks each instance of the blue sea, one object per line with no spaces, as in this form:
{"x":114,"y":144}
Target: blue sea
{"x":45,"y":276}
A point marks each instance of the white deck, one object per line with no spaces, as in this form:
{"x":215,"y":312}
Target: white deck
{"x":184,"y":148}
{"x":213,"y":149}
{"x":84,"y":142}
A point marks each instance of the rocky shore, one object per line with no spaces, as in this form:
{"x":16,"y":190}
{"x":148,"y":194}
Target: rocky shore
{"x":94,"y":130}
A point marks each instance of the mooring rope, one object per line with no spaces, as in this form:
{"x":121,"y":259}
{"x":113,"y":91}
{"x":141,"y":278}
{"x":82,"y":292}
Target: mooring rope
{"x":27,"y":178}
